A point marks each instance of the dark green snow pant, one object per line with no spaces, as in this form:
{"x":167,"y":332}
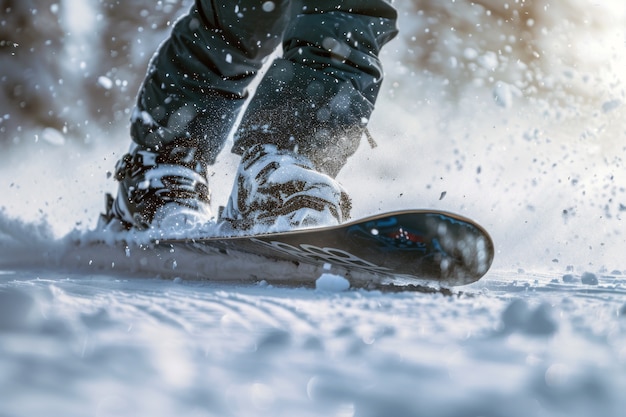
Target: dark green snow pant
{"x":316,"y":98}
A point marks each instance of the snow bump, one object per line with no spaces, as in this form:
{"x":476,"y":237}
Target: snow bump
{"x":519,"y":317}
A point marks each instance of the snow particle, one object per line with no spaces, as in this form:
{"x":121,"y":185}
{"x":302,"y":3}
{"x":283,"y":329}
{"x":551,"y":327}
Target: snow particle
{"x":312,"y":387}
{"x":519,"y":317}
{"x":194,"y":25}
{"x":568,"y":278}
{"x":611,"y":105}
{"x":504,"y":94}
{"x":262,"y":396}
{"x":470,"y":54}
{"x":540,"y":322}
{"x":273,"y":340}
{"x":332,"y":283}
{"x":515,"y":314}
{"x":557,"y":375}
{"x":269,"y":6}
{"x":589,"y":278}
{"x":105,"y":82}
{"x":53,"y":136}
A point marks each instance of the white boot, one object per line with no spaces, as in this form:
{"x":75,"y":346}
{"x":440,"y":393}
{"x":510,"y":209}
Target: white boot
{"x":278,"y":190}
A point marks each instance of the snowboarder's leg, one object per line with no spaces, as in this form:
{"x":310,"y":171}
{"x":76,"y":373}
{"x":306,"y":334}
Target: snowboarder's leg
{"x":320,"y":95}
{"x":195,"y":85}
{"x":313,"y":104}
{"x":199,"y":78}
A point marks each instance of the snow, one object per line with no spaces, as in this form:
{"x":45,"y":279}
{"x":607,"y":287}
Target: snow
{"x":53,"y":137}
{"x":532,"y":148}
{"x":331,"y":283}
{"x":102,"y":346}
{"x":268,"y":6}
{"x":105,"y":82}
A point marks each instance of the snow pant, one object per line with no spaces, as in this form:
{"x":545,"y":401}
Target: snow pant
{"x":315,"y":99}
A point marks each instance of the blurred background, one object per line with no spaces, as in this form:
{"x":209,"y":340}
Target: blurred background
{"x":72,"y":65}
{"x":508,"y":112}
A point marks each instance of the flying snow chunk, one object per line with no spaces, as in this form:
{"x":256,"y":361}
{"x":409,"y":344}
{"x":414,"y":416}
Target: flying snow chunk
{"x":105,"y":82}
{"x":609,"y":106}
{"x":53,"y":136}
{"x":331,"y":283}
{"x":489,"y":60}
{"x":470,"y":54}
{"x":504,"y":94}
{"x":269,"y":6}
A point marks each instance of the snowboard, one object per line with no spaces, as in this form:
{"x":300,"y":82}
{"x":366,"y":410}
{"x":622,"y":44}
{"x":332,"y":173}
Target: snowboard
{"x":402,"y":247}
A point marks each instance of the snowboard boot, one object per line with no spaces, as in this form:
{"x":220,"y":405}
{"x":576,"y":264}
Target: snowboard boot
{"x":165,"y":188}
{"x":278,"y":190}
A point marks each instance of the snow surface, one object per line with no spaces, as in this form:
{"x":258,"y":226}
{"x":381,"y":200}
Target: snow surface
{"x":511,"y":114}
